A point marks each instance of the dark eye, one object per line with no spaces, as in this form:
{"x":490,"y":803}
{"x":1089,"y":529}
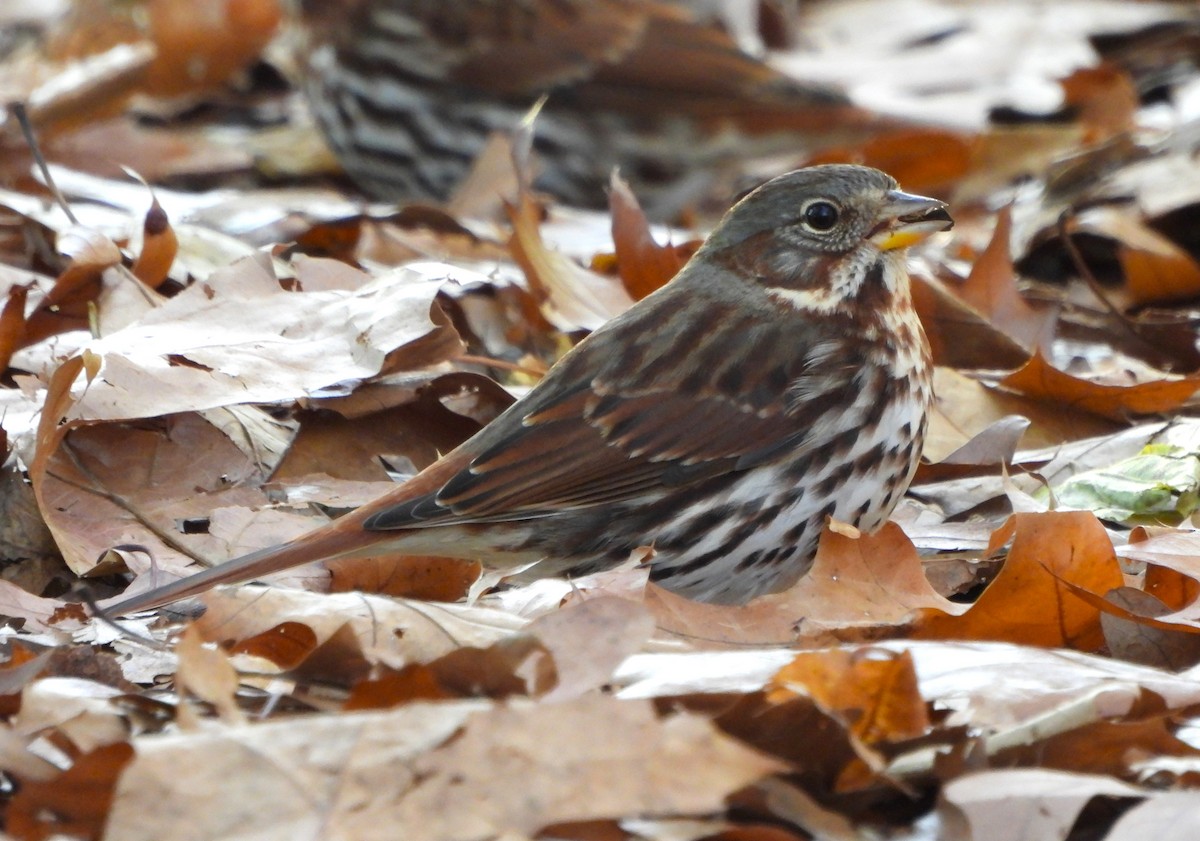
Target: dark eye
{"x":820,"y":216}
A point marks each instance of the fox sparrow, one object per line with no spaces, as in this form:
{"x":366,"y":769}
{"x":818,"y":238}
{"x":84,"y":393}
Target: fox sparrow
{"x":782,"y":377}
{"x":407,"y":92}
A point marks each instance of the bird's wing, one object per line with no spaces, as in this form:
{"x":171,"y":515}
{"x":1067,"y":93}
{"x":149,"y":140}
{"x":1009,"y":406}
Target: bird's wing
{"x":619,"y":437}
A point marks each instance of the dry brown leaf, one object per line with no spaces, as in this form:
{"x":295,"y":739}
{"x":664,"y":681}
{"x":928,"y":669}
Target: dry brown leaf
{"x":1167,"y":549}
{"x":12,"y":322}
{"x":588,"y":639}
{"x":1022,"y":804}
{"x":338,"y":661}
{"x":1168,"y":816}
{"x":433,"y":772}
{"x":429,"y":579}
{"x":1105,"y":100}
{"x":238,"y":337}
{"x":571,"y":297}
{"x":86,"y":712}
{"x":125,"y":484}
{"x":75,"y":804}
{"x":991,"y":288}
{"x":205,"y":671}
{"x":924,"y":160}
{"x":65,"y":306}
{"x":873,"y":692}
{"x":1156,"y":269}
{"x":1040,"y":379}
{"x":1114,"y":747}
{"x":858,"y":588}
{"x":1030,"y":601}
{"x":1172,"y":588}
{"x":393,"y":632}
{"x":389,"y":689}
{"x":203,"y":46}
{"x":159,"y":248}
{"x":1137,"y":642}
{"x":286,"y":645}
{"x":959,"y":336}
{"x":516,"y":666}
{"x":37,"y":613}
{"x":964,"y":407}
{"x":643,"y":264}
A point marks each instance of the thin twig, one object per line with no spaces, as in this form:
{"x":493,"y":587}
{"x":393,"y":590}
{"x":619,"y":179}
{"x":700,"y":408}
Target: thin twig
{"x":1129,"y":325}
{"x":472,"y":359}
{"x":17,"y":109}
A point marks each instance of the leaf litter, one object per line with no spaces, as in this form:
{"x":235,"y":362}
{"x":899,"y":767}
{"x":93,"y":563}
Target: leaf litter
{"x":244,"y":351}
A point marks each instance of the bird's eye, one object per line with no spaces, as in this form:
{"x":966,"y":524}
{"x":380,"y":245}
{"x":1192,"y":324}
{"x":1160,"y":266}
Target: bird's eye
{"x":821,"y":216}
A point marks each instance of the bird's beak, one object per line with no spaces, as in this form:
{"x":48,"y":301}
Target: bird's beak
{"x":907,"y":219}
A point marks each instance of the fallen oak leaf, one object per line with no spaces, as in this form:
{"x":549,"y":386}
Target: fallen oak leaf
{"x":1053,"y":554}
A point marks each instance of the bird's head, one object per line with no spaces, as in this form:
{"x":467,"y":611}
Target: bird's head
{"x":818,"y":236}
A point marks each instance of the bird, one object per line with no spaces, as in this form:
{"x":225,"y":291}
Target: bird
{"x":407,"y":92}
{"x":781,"y":378}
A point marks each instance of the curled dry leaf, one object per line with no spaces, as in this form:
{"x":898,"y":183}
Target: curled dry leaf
{"x":1038,"y":378}
{"x":12,"y":322}
{"x":394,"y":632}
{"x":991,"y":288}
{"x":572,"y":297}
{"x":159,"y":248}
{"x":205,"y":672}
{"x":642,"y":263}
